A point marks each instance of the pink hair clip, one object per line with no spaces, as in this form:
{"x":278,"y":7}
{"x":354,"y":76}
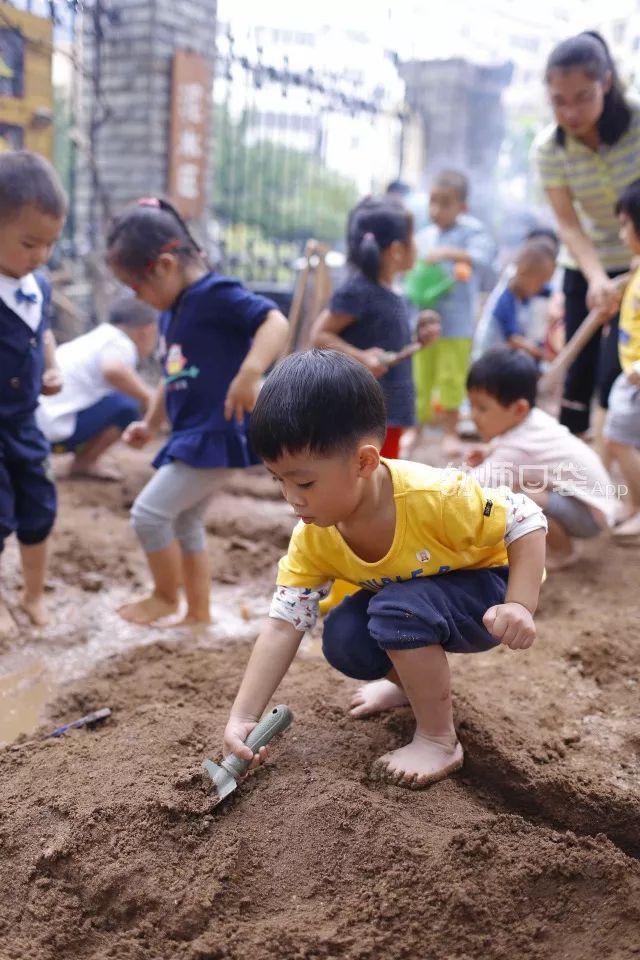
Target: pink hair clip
{"x":148,"y":202}
{"x":369,"y":236}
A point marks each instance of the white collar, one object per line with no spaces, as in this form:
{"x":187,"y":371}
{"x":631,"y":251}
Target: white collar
{"x":30,"y":313}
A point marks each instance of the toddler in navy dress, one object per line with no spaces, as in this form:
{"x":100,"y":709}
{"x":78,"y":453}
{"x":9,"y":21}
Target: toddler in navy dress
{"x":367,"y":319}
{"x":32,"y":213}
{"x":217,"y":339}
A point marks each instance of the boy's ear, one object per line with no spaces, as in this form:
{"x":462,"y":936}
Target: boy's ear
{"x":368,"y":459}
{"x":522,"y":407}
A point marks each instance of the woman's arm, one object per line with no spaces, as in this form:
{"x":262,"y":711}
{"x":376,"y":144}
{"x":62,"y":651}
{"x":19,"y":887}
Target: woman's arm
{"x":325,"y":334}
{"x":601,"y":291}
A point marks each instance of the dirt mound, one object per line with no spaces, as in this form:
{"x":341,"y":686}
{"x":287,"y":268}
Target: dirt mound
{"x":111,"y":847}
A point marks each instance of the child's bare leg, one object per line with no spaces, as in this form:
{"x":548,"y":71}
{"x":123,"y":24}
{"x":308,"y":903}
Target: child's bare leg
{"x":34,"y":571}
{"x":451,"y":445}
{"x":378,"y":696}
{"x":85,"y":463}
{"x":197,"y":582}
{"x":434,"y":751}
{"x":166,"y":569}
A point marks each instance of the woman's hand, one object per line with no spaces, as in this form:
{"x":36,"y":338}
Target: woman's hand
{"x":241,"y":395}
{"x":603,"y":294}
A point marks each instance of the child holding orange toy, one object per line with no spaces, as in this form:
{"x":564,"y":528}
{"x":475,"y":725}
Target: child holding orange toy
{"x":462,"y":246}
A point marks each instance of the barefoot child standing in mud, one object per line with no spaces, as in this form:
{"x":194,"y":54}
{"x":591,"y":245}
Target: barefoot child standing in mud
{"x":33,"y":207}
{"x":217,"y":341}
{"x":443,"y":565}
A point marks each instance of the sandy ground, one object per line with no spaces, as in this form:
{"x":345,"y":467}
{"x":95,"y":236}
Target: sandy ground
{"x":110,"y":845}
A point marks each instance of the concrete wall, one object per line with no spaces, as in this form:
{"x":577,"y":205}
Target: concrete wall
{"x":460,"y":105}
{"x":130,"y":148}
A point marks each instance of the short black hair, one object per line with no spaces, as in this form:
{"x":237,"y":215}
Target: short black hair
{"x":506,"y":375}
{"x":629,"y":203}
{"x":398,"y":188}
{"x":546,"y":234}
{"x":453,"y":180}
{"x":27,"y":179}
{"x":131,"y":312}
{"x":321,"y":401}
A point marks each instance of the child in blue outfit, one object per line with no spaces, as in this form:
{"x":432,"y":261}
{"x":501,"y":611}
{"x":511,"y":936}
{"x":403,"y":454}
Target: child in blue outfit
{"x":462,"y":246}
{"x":32,"y":212}
{"x":217,"y":339}
{"x":515,"y":313}
{"x":441,"y":564}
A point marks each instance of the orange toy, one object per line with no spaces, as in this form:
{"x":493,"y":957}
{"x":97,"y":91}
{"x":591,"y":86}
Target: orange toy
{"x":462,"y":272}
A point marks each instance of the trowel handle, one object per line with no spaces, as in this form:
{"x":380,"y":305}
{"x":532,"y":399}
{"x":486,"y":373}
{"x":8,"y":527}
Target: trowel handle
{"x":277,"y":720}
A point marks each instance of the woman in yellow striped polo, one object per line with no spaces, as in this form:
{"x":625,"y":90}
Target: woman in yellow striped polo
{"x":585,"y":159}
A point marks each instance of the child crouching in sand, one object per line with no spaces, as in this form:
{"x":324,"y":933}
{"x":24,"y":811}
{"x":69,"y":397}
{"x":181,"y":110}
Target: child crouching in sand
{"x":443,"y":566}
{"x":530,"y":451}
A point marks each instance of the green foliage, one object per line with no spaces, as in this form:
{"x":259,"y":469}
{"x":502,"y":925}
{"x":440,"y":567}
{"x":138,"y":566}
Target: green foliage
{"x":286,"y":193}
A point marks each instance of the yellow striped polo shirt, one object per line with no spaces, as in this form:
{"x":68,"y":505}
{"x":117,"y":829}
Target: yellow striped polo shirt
{"x":595,"y":179}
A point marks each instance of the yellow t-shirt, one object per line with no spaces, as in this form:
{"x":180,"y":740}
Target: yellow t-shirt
{"x":444,"y":521}
{"x":629,"y":330}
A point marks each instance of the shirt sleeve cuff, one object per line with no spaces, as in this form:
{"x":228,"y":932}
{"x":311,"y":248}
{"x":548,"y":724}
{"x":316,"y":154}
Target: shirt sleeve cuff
{"x":523,"y":516}
{"x":299,"y":606}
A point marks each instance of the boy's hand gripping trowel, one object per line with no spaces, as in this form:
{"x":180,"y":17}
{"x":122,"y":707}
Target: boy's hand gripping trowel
{"x":226,"y":774}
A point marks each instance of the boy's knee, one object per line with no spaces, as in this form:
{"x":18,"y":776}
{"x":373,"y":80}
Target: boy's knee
{"x":347,"y":644}
{"x":154,"y":531}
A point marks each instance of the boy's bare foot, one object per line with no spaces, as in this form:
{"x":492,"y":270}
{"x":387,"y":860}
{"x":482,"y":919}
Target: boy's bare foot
{"x":35,"y":610}
{"x":148,"y":610}
{"x":422,"y":762}
{"x":8,"y":626}
{"x":375,"y":697}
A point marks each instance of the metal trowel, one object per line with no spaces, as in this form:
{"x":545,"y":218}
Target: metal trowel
{"x":225,"y":775}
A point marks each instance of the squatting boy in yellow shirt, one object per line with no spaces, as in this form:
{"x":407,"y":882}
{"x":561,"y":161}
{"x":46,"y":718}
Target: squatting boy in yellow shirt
{"x":429,"y":549}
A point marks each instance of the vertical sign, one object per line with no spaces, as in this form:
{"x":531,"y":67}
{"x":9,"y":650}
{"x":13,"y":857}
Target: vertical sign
{"x":26,"y":95}
{"x":190,"y":107}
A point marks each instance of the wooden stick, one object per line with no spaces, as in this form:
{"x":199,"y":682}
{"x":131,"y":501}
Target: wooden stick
{"x":297,"y":304}
{"x":595,"y":319}
{"x":392,"y":358}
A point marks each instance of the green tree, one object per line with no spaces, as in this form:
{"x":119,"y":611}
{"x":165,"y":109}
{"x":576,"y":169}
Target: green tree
{"x":287,"y":194}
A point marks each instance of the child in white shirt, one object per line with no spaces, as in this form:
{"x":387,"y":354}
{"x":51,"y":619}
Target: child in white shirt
{"x":102,"y":392}
{"x":531,"y":452}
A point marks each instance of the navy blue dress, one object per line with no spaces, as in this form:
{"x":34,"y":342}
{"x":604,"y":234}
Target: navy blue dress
{"x":382,"y":320}
{"x":204,"y":339}
{"x":27,"y":492}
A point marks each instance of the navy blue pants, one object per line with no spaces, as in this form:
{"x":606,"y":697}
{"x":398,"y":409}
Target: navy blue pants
{"x":114,"y":410}
{"x":27,"y":492}
{"x":446,"y":609}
